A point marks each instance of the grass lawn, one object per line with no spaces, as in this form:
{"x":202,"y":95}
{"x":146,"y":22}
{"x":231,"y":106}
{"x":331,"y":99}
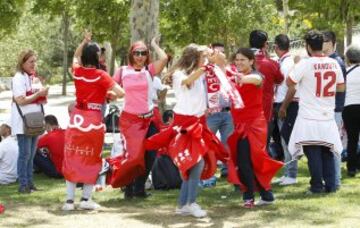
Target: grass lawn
{"x":292,"y":208}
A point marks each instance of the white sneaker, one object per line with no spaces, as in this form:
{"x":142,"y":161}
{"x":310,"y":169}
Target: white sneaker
{"x":182,"y":210}
{"x":262,"y":202}
{"x":68,"y":207}
{"x":278,"y":180}
{"x":89,"y":205}
{"x":195,"y":210}
{"x":288,"y":181}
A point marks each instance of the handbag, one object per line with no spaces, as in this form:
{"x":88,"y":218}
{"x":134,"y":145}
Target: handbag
{"x":112,"y":119}
{"x":34,"y":123}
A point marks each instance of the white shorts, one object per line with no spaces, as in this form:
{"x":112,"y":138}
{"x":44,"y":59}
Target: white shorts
{"x":314,"y":132}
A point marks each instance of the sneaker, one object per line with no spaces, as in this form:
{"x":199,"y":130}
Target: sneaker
{"x":89,"y":205}
{"x":68,"y":207}
{"x":351,"y":173}
{"x":278,"y":180}
{"x":262,"y":202}
{"x":24,"y":190}
{"x":182,"y":210}
{"x":33,"y":188}
{"x":249,"y":203}
{"x":195,"y":210}
{"x":288,"y":181}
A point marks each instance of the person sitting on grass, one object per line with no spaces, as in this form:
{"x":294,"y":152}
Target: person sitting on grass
{"x":9,"y":153}
{"x":50,"y":149}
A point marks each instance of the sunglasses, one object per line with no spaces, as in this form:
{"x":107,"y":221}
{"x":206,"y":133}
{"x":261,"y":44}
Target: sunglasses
{"x":140,"y":53}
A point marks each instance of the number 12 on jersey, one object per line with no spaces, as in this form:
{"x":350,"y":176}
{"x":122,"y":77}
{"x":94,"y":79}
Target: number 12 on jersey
{"x":325,"y":83}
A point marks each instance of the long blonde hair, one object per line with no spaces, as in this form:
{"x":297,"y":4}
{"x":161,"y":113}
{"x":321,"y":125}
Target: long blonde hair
{"x":188,"y":61}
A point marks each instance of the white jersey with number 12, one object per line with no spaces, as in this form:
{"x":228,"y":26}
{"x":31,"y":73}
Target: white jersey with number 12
{"x":317,"y":78}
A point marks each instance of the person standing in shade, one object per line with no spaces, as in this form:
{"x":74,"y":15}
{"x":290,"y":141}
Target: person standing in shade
{"x":329,"y":49}
{"x":250,"y":166}
{"x":82,"y":157}
{"x":315,"y":132}
{"x":269,"y":68}
{"x":351,"y":111}
{"x":136,"y":121}
{"x":28,"y":100}
{"x":286,"y":110}
{"x":218,"y":116}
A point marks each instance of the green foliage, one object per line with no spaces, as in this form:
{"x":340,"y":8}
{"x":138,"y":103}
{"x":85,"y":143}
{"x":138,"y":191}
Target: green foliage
{"x":325,"y":14}
{"x":44,"y":38}
{"x":207,"y":21}
{"x":10,"y":13}
{"x":107,"y":19}
{"x":107,"y":23}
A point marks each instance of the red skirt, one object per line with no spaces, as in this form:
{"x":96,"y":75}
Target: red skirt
{"x":84,"y":139}
{"x":157,"y":120}
{"x":264,"y":166}
{"x":126,"y":167}
{"x":188,"y":140}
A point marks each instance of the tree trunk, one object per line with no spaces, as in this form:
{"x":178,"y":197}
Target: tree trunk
{"x":349,"y":24}
{"x":286,"y":15}
{"x":113,"y":55}
{"x":340,"y":46}
{"x":144,"y":20}
{"x":66,"y":22}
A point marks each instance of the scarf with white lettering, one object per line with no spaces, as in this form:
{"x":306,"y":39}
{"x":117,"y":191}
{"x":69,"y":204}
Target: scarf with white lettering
{"x":218,"y":84}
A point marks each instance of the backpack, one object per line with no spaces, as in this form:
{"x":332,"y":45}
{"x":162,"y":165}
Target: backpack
{"x":165,"y":175}
{"x":111,"y":120}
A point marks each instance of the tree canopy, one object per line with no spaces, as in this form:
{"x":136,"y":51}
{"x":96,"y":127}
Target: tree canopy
{"x":53,"y":28}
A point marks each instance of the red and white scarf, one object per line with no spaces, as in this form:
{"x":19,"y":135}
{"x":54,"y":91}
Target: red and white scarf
{"x":218,"y":84}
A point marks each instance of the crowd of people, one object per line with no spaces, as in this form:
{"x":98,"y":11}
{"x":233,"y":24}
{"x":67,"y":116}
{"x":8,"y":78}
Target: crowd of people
{"x":228,"y":113}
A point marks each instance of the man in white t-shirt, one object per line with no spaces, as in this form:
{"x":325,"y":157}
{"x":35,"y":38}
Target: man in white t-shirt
{"x":9,"y":153}
{"x":285,"y":123}
{"x":315,"y":132}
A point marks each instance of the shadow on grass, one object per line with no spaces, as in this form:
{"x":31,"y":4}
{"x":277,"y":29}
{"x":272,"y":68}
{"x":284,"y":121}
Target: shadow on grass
{"x":223,"y":205}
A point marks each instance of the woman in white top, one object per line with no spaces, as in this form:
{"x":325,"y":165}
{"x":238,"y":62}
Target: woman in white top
{"x":190,"y":144}
{"x":29,"y":100}
{"x":352,"y":109}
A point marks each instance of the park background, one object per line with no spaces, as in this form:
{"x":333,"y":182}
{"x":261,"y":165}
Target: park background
{"x":53,"y":28}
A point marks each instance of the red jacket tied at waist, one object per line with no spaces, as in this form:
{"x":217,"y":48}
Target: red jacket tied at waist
{"x":126,"y":167}
{"x":263,"y":165}
{"x":188,"y":140}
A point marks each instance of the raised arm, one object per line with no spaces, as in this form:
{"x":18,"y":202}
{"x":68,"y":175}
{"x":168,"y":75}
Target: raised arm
{"x":163,"y":58}
{"x":78,"y":51}
{"x":193,"y":76}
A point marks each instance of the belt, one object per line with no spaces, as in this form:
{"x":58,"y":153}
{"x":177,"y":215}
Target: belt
{"x":146,"y":115}
{"x":225,"y":109}
{"x":89,"y":106}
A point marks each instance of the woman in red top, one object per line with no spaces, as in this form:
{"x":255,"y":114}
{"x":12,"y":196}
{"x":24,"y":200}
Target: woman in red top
{"x":84,"y":136}
{"x":132,"y":168}
{"x":249,"y":164}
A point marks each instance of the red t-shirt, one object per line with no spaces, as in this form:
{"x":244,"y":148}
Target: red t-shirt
{"x":54,"y":141}
{"x":270,"y":69}
{"x":91,"y":85}
{"x":252,"y":97}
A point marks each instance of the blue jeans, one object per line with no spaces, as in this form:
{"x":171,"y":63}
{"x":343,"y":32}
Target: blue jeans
{"x":188,"y":190}
{"x":322,"y":168}
{"x":339,"y":123}
{"x":222,"y":122}
{"x":27,"y":148}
